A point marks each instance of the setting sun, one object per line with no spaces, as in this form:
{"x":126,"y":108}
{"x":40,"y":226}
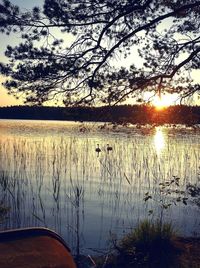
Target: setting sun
{"x":164,"y":101}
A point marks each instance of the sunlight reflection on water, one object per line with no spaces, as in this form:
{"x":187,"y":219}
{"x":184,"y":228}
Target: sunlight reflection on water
{"x":159,"y":140}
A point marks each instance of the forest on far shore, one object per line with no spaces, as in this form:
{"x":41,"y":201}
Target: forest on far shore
{"x":135,"y":114}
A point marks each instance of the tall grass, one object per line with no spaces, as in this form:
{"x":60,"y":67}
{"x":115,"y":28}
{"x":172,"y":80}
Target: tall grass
{"x":150,"y":244}
{"x":149,"y":237}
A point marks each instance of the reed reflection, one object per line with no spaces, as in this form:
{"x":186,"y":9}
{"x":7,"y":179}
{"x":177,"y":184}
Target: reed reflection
{"x":159,"y":140}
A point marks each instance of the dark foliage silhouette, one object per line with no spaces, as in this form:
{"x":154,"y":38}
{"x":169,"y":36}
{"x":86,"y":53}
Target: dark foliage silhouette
{"x":69,"y":49}
{"x":120,"y":114}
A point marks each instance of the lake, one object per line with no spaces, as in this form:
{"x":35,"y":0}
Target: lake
{"x":52,"y":176}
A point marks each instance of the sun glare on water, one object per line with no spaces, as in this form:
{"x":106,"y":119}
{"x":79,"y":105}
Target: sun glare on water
{"x":159,"y":140}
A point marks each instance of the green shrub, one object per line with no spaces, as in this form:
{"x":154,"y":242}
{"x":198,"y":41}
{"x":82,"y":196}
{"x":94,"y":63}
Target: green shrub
{"x":148,"y":245}
{"x":3,"y":211}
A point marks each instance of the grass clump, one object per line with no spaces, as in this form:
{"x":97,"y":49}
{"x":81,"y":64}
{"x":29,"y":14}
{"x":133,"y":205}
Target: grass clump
{"x":3,"y":211}
{"x":148,"y":245}
{"x":147,"y":235}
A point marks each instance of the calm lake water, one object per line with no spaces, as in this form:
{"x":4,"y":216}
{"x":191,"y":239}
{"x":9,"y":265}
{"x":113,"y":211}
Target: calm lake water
{"x":51,"y":175}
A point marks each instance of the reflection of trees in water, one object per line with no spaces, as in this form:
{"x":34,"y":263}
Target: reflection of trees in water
{"x":193,"y":191}
{"x":3,"y":212}
{"x":61,"y":184}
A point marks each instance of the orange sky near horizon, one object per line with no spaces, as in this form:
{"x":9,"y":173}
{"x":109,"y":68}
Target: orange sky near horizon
{"x":166,"y":100}
{"x":5,"y":98}
{"x":8,"y":100}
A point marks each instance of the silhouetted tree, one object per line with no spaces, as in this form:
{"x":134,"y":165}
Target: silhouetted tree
{"x":118,"y":114}
{"x":79,"y":64}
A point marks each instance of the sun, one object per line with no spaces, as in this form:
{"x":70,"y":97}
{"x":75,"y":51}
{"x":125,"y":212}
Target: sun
{"x":161,"y":102}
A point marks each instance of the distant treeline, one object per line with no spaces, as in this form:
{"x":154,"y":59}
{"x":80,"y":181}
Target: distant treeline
{"x":142,"y":114}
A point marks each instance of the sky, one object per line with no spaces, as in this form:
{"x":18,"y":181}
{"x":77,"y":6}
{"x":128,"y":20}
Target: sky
{"x":9,"y":100}
{"x":5,"y":99}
